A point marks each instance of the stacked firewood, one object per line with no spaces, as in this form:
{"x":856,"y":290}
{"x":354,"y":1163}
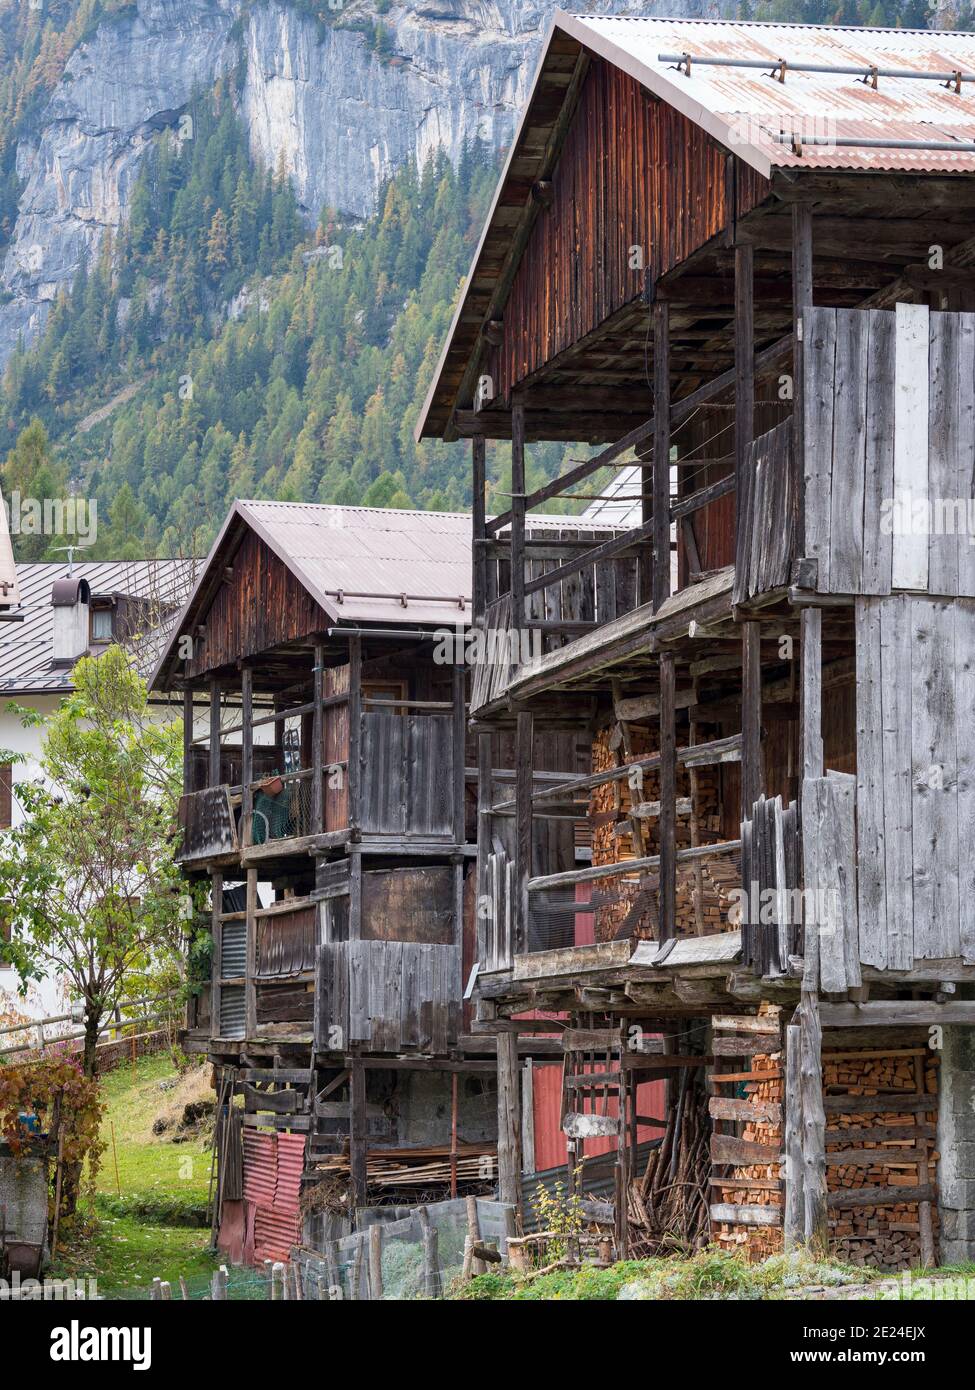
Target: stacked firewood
{"x":632,"y":910}
{"x":886,"y":1235}
{"x":757,"y":1242}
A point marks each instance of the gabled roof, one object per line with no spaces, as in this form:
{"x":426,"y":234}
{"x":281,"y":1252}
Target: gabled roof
{"x":746,"y":110}
{"x":369,"y":565}
{"x":26,"y":647}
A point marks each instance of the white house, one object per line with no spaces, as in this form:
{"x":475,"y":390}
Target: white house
{"x":50,"y":615}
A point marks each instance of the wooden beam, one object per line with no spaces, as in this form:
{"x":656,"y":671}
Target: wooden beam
{"x":355,"y":728}
{"x":751,"y":717}
{"x":793,"y":1224}
{"x":478,"y":517}
{"x":524,"y":747}
{"x":509,"y":1121}
{"x":744,"y":383}
{"x":661,"y":452}
{"x":517,"y":514}
{"x":318,"y":744}
{"x":213,"y":778}
{"x":667,"y":892}
{"x":247,"y":755}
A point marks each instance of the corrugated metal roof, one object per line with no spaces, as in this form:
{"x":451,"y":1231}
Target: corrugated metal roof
{"x":621,"y":503}
{"x":359,"y":562}
{"x":25,"y":647}
{"x":746,"y":108}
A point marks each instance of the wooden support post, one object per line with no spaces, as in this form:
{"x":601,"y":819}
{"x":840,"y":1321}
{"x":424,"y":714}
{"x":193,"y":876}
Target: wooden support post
{"x":250,"y":982}
{"x":188,"y":739}
{"x":793,"y":1215}
{"x":661,"y":451}
{"x":815,"y":1225}
{"x":667,"y":893}
{"x":431,"y":1254}
{"x":318,"y":744}
{"x":216,"y":958}
{"x":802,"y":298}
{"x":485,"y":927}
{"x":247,"y":756}
{"x":357,"y":1131}
{"x":744,"y":383}
{"x":376,"y":1261}
{"x":459,"y":717}
{"x":213,"y":778}
{"x":478,"y":519}
{"x":811,"y":652}
{"x":752,"y":779}
{"x":509,"y":1121}
{"x":517,"y":517}
{"x":524,"y":741}
{"x":355,"y":728}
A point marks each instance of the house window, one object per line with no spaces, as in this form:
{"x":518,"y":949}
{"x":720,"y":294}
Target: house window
{"x":6,"y":795}
{"x":101,"y":625}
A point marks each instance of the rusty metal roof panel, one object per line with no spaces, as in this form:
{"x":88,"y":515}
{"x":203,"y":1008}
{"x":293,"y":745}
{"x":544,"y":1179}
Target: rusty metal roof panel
{"x":747,"y":108}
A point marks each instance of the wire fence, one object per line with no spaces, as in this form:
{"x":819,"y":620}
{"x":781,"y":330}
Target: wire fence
{"x":398,"y":1253}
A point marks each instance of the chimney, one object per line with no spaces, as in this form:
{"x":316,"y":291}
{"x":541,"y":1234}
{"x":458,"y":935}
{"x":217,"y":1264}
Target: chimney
{"x":71,"y":600}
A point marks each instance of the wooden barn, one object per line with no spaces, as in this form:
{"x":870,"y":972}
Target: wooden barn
{"x":329,"y":809}
{"x":737,"y":259}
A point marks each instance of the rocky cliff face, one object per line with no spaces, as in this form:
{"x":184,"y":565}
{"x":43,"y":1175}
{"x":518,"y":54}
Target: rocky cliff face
{"x":341,"y":114}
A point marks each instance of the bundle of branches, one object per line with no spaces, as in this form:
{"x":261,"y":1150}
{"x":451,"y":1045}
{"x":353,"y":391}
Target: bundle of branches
{"x":668,"y":1208}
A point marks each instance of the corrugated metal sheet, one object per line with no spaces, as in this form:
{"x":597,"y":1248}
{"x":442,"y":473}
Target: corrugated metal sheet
{"x":233,"y":949}
{"x":746,"y":108}
{"x":273,"y":1165}
{"x":232,"y":1021}
{"x":26,"y":647}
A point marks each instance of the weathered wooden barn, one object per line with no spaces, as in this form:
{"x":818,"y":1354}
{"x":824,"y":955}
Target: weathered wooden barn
{"x":326,"y":807}
{"x":739,"y":259}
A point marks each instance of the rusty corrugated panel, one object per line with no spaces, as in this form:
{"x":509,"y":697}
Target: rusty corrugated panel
{"x":273,"y":1164}
{"x":260,"y":1167}
{"x":275,"y":1233}
{"x":752,"y":106}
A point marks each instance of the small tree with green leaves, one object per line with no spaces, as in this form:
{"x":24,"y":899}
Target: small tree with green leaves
{"x":89,"y":877}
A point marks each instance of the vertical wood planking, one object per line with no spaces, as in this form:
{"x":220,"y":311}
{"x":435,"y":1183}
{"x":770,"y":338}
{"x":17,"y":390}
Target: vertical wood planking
{"x":878,"y":485}
{"x":965,"y":453}
{"x":895,"y":663}
{"x":871,"y":854}
{"x":934,"y":802}
{"x":944,"y":413}
{"x":819,"y":368}
{"x":909,"y":565}
{"x":849,"y":450}
{"x":964,"y":617}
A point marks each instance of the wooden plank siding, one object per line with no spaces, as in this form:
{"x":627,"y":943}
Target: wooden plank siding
{"x":889,"y":450}
{"x":259,"y":606}
{"x":915,"y":779}
{"x":633,"y":172}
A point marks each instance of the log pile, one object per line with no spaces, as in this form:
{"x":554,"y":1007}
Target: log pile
{"x":885,"y":1234}
{"x":410,"y":1168}
{"x":764,"y":1096}
{"x":633,"y":906}
{"x":667,"y":1208}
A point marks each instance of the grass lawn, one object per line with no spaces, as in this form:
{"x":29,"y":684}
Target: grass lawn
{"x":151,"y":1193}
